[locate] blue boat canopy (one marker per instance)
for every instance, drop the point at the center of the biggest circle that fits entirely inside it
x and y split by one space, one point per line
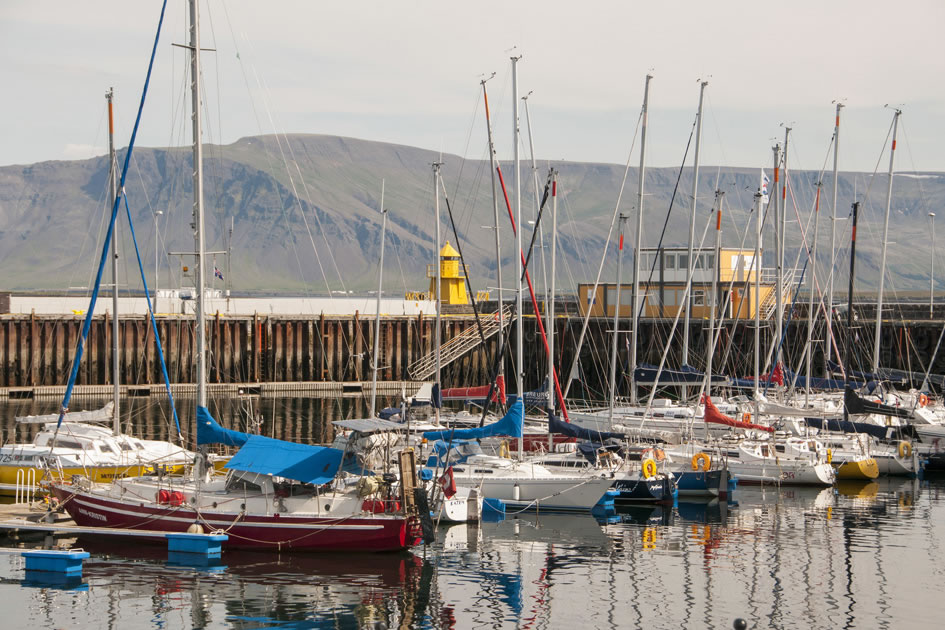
210 432
510 425
301 462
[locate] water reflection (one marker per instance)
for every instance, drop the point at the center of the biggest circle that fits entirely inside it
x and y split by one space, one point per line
856 555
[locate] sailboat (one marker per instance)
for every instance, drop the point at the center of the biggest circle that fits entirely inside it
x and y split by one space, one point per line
277 495
82 445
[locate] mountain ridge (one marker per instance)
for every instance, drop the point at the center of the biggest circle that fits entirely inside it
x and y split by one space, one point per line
305 219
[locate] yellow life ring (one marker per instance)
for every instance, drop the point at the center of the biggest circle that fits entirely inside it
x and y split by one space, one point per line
504 449
704 458
905 449
829 456
649 469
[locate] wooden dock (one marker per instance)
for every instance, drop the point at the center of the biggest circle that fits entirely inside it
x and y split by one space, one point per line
19 517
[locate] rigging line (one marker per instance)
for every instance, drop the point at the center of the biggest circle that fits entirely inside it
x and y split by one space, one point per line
600 270
462 261
669 211
101 267
157 337
679 310
295 192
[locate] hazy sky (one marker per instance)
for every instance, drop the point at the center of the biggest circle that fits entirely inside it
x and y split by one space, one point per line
408 73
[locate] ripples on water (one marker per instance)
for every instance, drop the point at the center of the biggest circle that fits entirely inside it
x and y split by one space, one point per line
856 556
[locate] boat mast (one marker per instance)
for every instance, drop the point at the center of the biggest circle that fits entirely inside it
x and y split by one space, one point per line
637 302
882 263
779 259
377 315
519 334
550 307
692 223
713 298
757 266
613 348
848 337
500 336
439 289
113 184
198 223
812 280
833 233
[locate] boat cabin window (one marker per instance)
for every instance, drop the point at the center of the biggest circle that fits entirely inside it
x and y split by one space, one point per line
61 443
126 447
483 470
105 448
733 454
779 448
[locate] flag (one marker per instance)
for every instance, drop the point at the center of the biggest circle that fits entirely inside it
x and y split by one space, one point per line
764 187
218 273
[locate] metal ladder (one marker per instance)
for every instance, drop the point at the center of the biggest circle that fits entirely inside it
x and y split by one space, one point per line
459 345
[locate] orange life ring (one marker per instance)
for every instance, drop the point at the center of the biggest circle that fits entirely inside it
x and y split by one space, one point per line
704 458
923 400
746 418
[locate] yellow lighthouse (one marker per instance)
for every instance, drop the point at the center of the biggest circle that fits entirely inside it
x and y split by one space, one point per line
452 278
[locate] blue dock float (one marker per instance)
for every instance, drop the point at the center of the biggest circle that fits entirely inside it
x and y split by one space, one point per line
203 544
66 563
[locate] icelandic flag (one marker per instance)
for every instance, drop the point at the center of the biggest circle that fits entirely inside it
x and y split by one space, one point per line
764 187
217 273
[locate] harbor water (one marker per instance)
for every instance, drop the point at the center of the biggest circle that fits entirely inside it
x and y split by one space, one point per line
863 555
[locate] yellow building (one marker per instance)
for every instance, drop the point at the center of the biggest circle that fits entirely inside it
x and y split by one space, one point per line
663 276
452 278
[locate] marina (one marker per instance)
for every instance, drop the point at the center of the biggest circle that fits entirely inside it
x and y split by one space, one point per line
599 397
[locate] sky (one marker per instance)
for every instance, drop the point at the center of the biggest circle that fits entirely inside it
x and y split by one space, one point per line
409 73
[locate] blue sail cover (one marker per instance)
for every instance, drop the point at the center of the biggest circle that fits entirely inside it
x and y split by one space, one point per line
645 374
510 425
556 425
301 462
210 432
817 383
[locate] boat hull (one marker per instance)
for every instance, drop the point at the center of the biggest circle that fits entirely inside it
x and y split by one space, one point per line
862 469
712 483
30 478
368 532
523 493
659 489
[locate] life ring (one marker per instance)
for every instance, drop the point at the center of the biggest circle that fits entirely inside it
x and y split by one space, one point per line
905 449
653 453
746 418
923 400
649 469
829 456
704 458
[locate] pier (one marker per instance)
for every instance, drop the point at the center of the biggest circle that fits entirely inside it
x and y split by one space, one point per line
331 355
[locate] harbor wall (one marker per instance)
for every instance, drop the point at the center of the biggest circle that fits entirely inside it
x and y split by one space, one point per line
37 350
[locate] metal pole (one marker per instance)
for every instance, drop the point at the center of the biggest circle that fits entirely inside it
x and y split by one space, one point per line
197 225
757 265
833 233
113 183
500 336
637 301
377 315
550 309
692 221
812 285
848 337
932 269
712 298
439 287
882 262
778 254
156 248
614 347
519 334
